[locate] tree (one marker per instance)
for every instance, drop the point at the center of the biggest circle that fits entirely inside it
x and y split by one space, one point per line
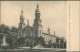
4 29
14 29
11 38
41 41
49 43
21 41
1 38
12 41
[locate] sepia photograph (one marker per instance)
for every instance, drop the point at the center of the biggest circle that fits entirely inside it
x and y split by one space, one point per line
33 26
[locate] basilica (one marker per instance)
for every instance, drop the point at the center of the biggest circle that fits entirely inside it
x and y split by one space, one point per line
36 30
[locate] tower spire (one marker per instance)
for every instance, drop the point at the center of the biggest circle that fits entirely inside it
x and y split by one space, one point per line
37 26
48 30
27 22
37 4
22 10
37 9
21 24
54 33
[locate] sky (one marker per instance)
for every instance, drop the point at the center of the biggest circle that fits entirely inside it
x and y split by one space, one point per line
53 14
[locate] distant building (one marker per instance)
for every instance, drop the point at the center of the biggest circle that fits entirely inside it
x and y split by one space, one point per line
37 26
36 30
48 37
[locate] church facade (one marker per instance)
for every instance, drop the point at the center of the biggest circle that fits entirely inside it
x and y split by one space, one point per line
36 30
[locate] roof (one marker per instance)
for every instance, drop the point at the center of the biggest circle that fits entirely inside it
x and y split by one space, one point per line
49 35
27 31
27 27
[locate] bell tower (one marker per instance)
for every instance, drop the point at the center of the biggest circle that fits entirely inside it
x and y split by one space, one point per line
48 31
37 26
21 25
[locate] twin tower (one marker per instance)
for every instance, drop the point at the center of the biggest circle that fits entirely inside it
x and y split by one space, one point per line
35 30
